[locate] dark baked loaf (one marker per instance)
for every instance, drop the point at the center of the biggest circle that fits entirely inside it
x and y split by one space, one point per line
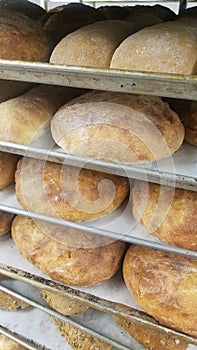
164 285
26 7
22 38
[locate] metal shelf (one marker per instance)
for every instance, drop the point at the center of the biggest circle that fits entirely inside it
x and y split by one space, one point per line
168 85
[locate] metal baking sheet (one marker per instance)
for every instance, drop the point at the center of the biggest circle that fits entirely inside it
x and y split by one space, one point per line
119 224
180 170
169 85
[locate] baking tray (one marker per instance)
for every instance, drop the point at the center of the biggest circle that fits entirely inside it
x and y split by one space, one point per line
180 170
159 84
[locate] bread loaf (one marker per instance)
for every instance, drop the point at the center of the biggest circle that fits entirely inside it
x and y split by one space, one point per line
9 344
26 7
167 213
114 12
163 12
69 18
92 45
63 304
8 163
78 339
5 222
68 192
22 38
10 89
151 339
164 285
74 258
25 118
169 47
118 127
8 302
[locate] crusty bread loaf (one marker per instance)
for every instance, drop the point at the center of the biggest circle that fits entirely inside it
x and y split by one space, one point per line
164 285
63 304
118 127
8 302
69 18
9 344
92 45
8 163
25 118
114 12
78 339
68 192
74 258
26 7
5 222
151 339
10 89
167 213
187 111
169 47
163 12
22 38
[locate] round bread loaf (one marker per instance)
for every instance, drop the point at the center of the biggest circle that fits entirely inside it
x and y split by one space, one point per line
92 45
151 339
167 213
114 12
70 17
78 339
164 285
75 258
26 7
10 89
118 127
169 47
8 302
9 344
163 12
25 118
8 164
5 222
63 304
68 192
22 38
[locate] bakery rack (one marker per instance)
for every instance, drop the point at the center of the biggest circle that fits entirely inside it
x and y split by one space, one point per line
179 171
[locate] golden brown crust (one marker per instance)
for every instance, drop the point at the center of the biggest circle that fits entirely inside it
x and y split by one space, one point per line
22 38
8 163
25 118
118 127
168 47
63 262
92 45
164 285
167 213
9 344
151 339
63 304
8 302
78 339
5 222
67 192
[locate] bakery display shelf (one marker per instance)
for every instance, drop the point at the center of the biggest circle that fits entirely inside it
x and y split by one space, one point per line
119 225
179 170
159 84
97 304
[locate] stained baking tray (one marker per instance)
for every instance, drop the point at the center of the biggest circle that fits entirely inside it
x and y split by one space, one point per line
159 84
180 170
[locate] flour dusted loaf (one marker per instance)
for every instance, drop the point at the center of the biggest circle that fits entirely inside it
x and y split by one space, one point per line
8 302
9 344
5 222
92 45
10 89
167 213
164 285
169 47
63 304
118 127
22 38
8 163
67 255
78 339
68 192
151 339
69 18
26 117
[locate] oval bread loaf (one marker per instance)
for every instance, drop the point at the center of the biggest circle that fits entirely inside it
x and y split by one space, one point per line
5 222
8 163
75 258
164 285
118 127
